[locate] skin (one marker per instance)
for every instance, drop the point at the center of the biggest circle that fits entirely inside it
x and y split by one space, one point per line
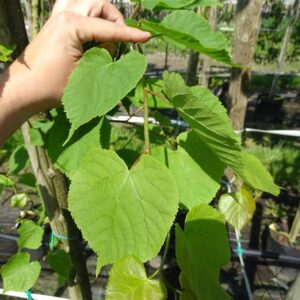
35 81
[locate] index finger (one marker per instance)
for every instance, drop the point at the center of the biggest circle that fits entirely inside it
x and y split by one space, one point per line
96 29
111 13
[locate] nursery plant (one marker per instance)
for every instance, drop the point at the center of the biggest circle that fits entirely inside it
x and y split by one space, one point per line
127 182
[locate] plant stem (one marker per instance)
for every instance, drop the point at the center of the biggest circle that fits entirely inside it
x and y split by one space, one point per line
157 95
146 123
161 266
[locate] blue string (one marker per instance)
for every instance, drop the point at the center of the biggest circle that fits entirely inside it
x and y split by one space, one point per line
61 237
239 250
29 295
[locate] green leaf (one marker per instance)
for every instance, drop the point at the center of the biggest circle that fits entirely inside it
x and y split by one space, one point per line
97 84
128 280
18 200
154 85
205 3
5 181
238 208
60 262
208 119
186 291
196 169
30 235
27 179
38 132
67 157
6 52
201 250
122 212
166 4
195 34
18 274
18 160
257 176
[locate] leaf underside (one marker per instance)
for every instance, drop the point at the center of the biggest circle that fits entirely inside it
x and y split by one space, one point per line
201 250
128 281
97 85
122 212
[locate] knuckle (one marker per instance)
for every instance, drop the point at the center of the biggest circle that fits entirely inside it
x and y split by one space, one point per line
66 18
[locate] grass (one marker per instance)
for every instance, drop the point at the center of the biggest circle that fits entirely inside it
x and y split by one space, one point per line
282 161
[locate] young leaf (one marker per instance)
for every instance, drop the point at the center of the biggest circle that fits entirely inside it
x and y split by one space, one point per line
208 119
30 235
256 175
5 181
238 208
38 132
97 84
128 280
196 169
19 274
122 212
67 157
18 200
6 52
201 250
60 262
166 4
18 160
195 34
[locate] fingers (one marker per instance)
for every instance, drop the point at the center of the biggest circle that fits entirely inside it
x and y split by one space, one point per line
95 29
92 8
111 13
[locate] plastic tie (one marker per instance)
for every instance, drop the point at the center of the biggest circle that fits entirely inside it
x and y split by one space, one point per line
239 249
60 237
29 295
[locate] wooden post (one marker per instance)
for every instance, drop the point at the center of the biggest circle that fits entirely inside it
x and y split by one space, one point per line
203 79
293 14
51 183
247 24
192 69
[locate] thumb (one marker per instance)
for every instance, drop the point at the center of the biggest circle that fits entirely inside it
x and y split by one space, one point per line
95 29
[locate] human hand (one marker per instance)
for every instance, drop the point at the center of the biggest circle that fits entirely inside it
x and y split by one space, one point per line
56 50
36 80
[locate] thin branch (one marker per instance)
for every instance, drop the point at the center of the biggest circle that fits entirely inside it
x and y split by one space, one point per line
146 123
157 95
163 260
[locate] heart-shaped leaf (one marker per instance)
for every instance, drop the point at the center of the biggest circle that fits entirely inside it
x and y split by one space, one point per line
201 250
97 84
19 274
30 235
128 280
238 208
122 212
60 262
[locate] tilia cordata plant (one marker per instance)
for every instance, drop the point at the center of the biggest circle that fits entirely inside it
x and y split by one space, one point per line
127 183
